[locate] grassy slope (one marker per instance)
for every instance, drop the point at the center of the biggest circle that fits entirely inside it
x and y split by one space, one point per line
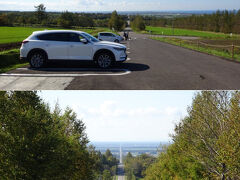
194 47
9 60
18 34
186 32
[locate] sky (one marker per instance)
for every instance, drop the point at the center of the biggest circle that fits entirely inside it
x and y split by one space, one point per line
120 5
125 116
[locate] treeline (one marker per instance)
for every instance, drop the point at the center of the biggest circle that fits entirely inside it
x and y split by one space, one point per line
221 21
37 143
135 167
206 142
65 19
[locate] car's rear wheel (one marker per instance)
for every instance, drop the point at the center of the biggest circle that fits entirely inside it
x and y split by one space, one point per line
37 59
104 60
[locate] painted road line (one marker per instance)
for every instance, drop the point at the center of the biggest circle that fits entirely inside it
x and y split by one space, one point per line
71 69
34 83
128 59
126 71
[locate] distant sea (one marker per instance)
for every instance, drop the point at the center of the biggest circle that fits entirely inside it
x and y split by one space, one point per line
142 12
135 148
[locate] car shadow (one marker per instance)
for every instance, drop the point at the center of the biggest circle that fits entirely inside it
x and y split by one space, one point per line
66 66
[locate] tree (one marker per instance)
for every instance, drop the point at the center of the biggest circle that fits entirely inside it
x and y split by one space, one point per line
40 13
211 133
138 24
3 20
66 19
107 175
206 141
36 143
116 22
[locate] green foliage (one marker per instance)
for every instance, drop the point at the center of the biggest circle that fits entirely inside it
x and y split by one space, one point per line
206 141
116 22
18 34
186 32
135 167
220 21
138 24
107 175
36 143
40 13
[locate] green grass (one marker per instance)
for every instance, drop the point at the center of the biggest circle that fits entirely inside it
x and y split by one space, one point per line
18 34
182 43
9 60
186 32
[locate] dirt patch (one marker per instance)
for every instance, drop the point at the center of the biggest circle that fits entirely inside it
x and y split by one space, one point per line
8 46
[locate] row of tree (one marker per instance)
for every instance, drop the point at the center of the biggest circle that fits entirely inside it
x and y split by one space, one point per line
65 19
220 21
206 142
37 143
135 167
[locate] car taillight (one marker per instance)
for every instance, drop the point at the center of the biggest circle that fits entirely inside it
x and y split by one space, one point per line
25 42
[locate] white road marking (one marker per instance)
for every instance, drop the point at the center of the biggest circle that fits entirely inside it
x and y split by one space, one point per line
124 72
34 83
128 59
128 52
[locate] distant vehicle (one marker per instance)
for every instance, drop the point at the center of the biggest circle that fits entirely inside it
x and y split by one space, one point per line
44 46
108 36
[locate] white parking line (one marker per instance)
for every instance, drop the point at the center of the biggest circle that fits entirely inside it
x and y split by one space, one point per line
128 59
125 72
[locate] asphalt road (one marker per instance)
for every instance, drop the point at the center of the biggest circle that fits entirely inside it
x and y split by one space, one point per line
120 172
153 65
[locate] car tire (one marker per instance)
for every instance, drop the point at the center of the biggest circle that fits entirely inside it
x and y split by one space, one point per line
104 60
117 41
37 59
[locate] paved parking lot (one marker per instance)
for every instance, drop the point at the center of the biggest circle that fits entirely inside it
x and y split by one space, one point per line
152 65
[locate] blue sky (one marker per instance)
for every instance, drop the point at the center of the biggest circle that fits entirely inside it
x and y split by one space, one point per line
120 116
120 5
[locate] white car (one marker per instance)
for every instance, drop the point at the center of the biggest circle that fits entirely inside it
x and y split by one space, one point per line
108 36
44 46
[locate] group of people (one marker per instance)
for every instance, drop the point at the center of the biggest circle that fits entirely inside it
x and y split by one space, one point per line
126 35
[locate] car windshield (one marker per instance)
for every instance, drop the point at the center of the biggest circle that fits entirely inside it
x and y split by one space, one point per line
90 37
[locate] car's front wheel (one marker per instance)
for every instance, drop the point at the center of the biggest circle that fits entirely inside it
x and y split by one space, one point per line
37 59
117 41
104 60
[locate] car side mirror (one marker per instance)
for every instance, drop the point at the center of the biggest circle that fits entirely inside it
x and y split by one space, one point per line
84 41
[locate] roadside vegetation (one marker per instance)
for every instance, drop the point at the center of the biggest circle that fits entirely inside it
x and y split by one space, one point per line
169 31
217 33
221 48
39 143
9 60
135 167
206 141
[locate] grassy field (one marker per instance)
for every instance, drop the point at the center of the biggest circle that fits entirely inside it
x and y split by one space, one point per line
9 60
214 51
185 32
18 34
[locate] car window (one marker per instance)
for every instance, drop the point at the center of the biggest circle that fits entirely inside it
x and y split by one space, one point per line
73 37
89 37
54 37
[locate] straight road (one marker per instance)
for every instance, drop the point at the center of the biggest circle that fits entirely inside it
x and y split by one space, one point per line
153 65
120 172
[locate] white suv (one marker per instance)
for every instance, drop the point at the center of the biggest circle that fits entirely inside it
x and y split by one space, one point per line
108 36
44 46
